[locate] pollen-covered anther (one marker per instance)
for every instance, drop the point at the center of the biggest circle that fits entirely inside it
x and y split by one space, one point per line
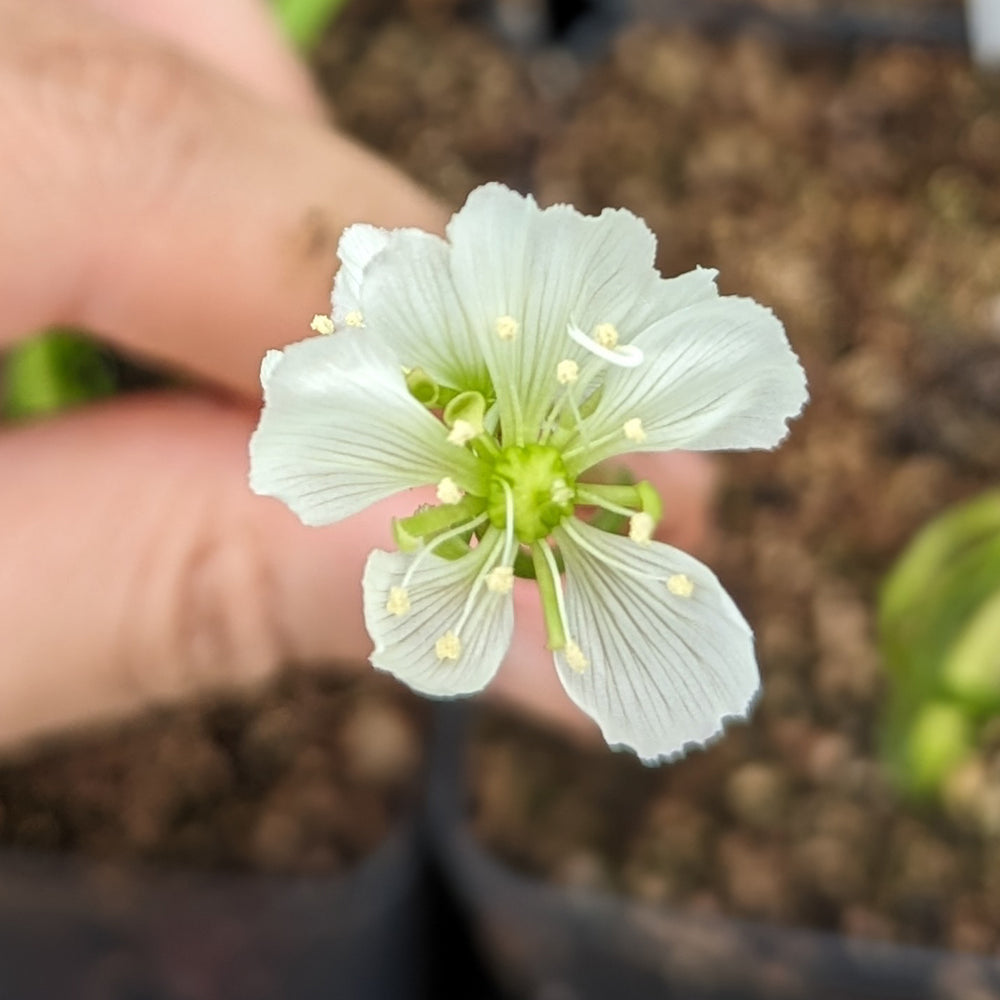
500 580
606 335
354 318
680 585
567 371
448 491
448 647
321 324
640 528
399 601
561 492
506 327
574 657
634 431
462 432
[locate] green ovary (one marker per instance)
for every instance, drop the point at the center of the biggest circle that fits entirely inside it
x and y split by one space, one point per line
540 487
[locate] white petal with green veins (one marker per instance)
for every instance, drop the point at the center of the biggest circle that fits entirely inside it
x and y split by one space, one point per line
718 374
668 655
456 629
340 431
408 298
545 270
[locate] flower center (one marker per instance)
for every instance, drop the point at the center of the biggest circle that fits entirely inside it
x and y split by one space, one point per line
542 492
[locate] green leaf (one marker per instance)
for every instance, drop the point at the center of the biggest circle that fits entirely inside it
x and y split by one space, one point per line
52 371
304 21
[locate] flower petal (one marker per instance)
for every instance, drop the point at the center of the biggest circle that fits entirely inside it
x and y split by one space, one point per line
545 270
408 299
440 593
339 430
718 374
358 245
670 657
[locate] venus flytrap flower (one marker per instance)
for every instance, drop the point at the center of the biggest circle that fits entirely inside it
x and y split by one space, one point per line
500 365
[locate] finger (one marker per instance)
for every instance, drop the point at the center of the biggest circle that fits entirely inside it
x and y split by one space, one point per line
239 37
158 205
139 568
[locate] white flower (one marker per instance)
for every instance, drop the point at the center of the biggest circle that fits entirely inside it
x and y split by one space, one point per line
500 365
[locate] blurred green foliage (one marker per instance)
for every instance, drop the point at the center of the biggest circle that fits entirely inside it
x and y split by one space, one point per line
939 633
304 21
52 371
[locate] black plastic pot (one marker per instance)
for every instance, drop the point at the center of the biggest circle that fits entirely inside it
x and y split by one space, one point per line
548 943
81 931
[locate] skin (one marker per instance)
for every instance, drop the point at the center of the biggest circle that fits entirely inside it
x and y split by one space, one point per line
168 181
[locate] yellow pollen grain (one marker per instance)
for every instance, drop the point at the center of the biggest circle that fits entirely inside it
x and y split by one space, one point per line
354 318
321 324
506 327
634 431
606 335
500 580
462 432
448 647
574 657
399 601
567 371
680 585
448 491
640 528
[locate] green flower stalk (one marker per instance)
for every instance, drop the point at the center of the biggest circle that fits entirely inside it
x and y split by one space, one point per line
500 366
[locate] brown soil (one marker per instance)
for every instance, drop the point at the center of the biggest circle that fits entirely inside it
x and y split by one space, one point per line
305 776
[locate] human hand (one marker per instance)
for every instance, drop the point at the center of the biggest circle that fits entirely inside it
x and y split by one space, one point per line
166 181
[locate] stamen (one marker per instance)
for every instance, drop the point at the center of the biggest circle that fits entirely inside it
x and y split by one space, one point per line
500 579
574 657
462 432
436 543
640 528
507 327
680 585
561 493
399 601
606 335
354 318
448 491
321 324
567 372
634 431
625 356
448 647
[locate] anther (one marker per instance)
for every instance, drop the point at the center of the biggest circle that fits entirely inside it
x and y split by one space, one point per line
640 529
462 432
634 431
448 491
399 601
506 327
448 647
321 324
606 335
560 492
680 585
567 371
500 579
574 657
354 318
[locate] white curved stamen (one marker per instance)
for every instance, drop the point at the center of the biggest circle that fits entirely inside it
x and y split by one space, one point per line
625 356
399 601
634 431
354 319
506 327
574 657
567 371
640 528
680 585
